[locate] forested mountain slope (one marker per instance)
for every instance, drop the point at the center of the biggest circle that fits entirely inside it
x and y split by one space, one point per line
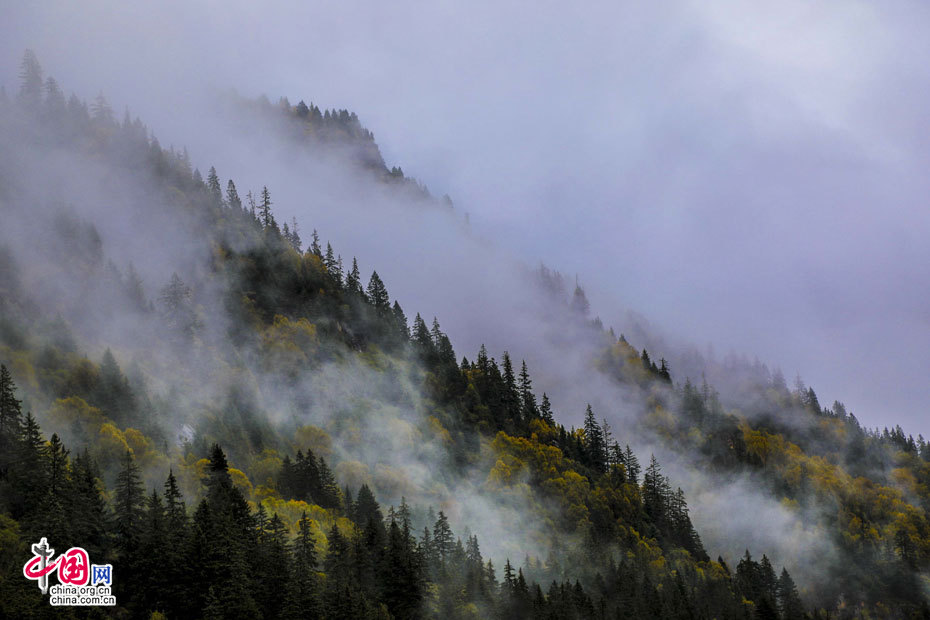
256 429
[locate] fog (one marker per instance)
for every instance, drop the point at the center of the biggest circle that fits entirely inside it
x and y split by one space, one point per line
750 181
747 179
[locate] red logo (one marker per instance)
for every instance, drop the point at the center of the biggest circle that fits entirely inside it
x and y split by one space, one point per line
73 566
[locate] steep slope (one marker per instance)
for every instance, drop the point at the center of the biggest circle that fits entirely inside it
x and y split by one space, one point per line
265 384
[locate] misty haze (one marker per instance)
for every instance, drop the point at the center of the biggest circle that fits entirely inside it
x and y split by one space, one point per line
478 311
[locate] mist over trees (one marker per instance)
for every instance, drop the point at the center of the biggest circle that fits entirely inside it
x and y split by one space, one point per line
271 436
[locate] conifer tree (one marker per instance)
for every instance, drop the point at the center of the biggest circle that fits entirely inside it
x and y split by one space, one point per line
511 397
656 493
10 419
378 295
443 538
264 208
213 186
632 465
295 235
102 113
527 398
153 543
594 442
30 75
580 304
302 590
353 282
545 410
789 602
329 260
400 322
422 337
232 197
128 504
88 510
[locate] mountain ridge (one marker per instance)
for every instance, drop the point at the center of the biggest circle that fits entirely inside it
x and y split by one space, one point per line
286 360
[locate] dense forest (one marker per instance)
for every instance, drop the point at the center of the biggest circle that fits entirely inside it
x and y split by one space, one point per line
267 434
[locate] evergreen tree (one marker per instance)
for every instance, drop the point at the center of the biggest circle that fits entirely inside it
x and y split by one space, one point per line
422 339
128 506
232 197
101 112
527 398
10 420
400 322
580 305
789 602
213 186
30 75
302 593
353 282
511 397
595 446
378 295
152 545
545 410
443 538
88 510
329 261
264 209
656 493
632 465
295 236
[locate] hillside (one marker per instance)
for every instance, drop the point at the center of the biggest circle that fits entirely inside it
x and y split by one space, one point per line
243 423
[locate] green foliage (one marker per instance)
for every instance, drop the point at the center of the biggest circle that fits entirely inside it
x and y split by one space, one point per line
621 539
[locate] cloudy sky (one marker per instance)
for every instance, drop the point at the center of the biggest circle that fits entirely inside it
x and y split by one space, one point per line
744 175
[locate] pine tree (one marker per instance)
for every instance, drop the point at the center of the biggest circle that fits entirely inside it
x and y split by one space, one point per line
273 567
656 493
511 397
400 322
176 571
295 235
378 295
330 496
232 197
353 282
594 442
101 112
264 208
88 510
527 398
128 504
545 410
443 538
177 303
57 490
664 371
11 420
213 186
30 75
422 339
55 105
153 543
329 261
632 465
580 305
302 591
789 602
29 474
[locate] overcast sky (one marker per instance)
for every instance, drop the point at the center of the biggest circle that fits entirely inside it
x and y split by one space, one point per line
753 177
